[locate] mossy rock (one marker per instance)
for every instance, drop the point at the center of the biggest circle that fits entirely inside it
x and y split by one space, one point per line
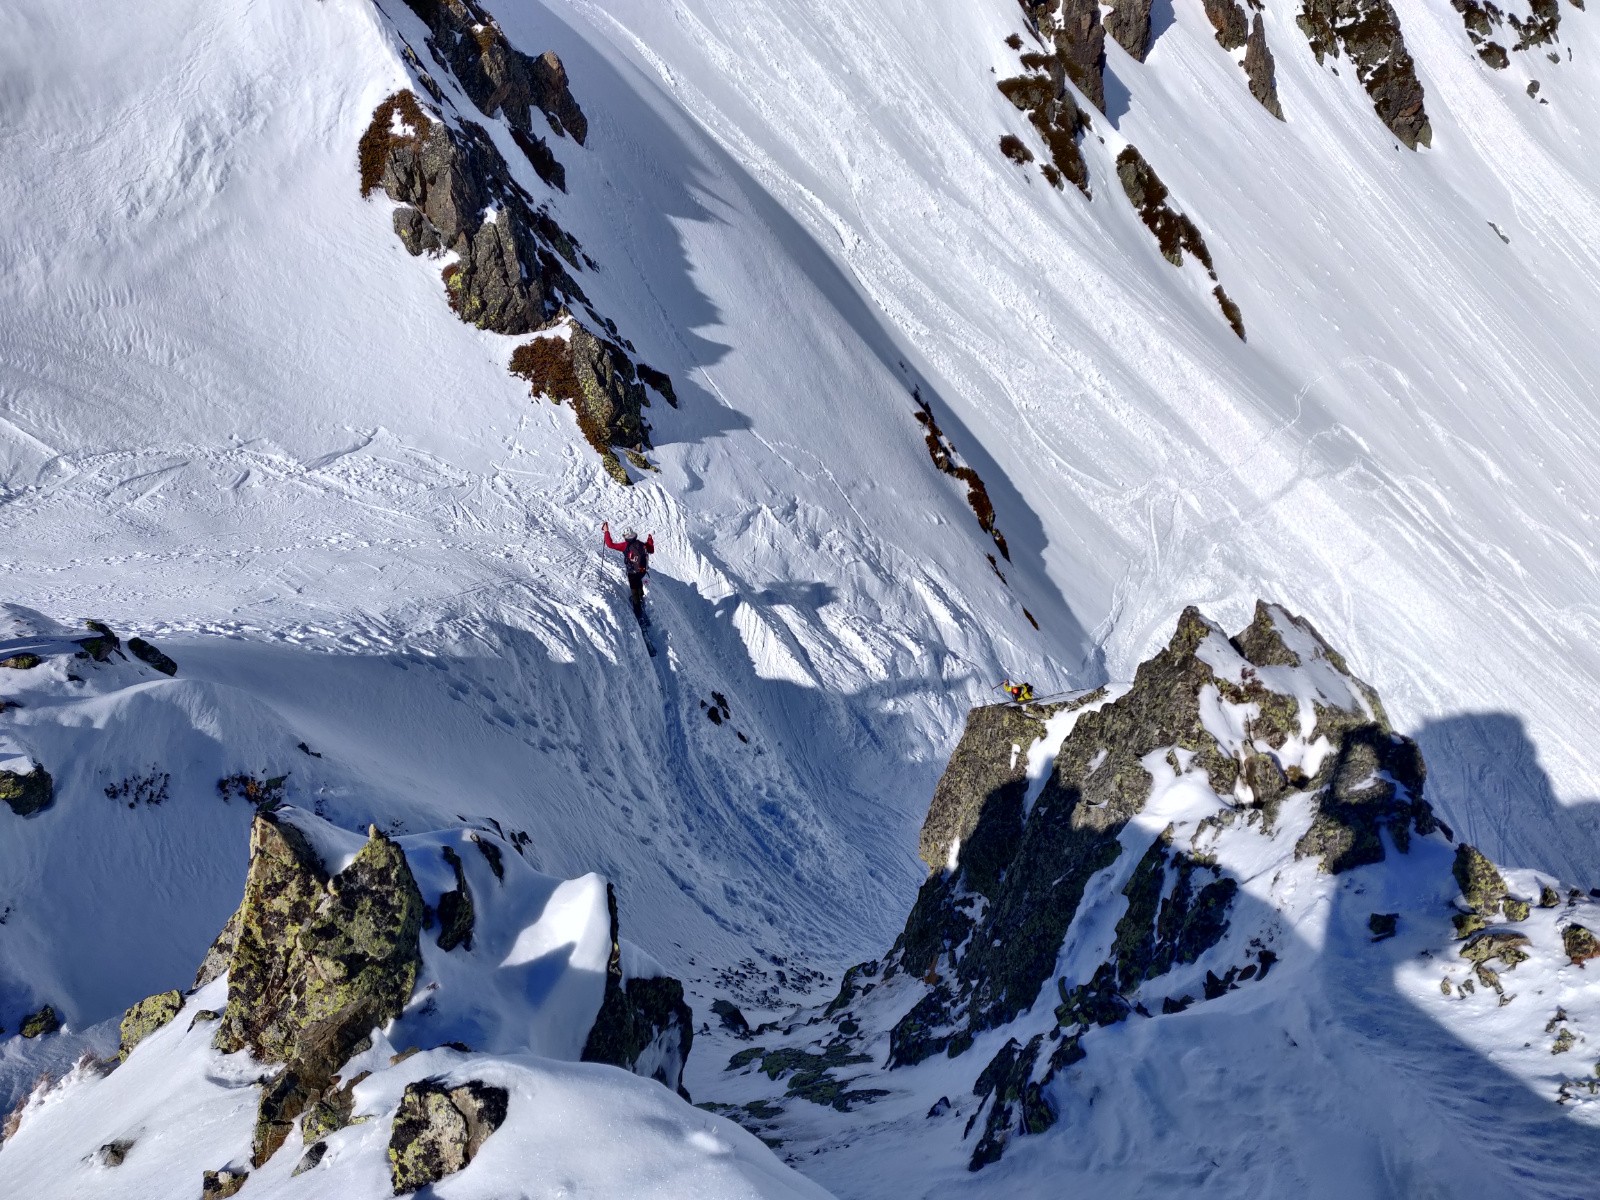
1516 910
1468 923
1549 897
145 1017
439 1129
1580 943
1478 880
27 793
21 662
38 1024
1490 944
218 1185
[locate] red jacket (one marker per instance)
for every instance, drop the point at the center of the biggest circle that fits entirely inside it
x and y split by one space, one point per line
636 552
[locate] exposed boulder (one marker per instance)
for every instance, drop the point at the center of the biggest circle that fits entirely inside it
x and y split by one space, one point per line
27 792
1043 96
151 657
1481 885
40 1023
509 275
1228 19
316 964
103 644
1129 22
1580 943
439 1129
145 1017
114 1154
218 1185
644 1025
21 662
1368 32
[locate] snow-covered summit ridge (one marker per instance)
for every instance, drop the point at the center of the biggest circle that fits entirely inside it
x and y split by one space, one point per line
1230 898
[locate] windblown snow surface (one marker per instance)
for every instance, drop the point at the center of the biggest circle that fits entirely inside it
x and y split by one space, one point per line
237 418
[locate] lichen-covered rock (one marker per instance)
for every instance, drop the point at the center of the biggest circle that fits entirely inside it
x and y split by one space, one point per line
597 378
439 1129
40 1023
1490 944
151 657
1168 921
1374 784
1006 1082
219 954
455 908
1368 32
1481 885
27 792
988 770
145 1017
21 662
316 964
103 644
1549 897
218 1185
1515 909
1261 70
509 275
644 1025
1580 943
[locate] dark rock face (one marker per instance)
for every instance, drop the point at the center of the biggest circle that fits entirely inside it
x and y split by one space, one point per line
151 657
316 963
982 774
1169 920
502 81
439 1129
1074 29
1007 1085
145 1017
509 275
1376 783
103 644
642 1022
1129 22
1228 19
942 452
1368 31
1260 69
455 909
27 792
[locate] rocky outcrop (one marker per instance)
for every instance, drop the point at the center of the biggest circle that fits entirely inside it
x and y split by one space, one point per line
151 657
1368 33
218 1185
595 376
439 1129
457 195
1260 69
1129 22
1078 38
316 963
1174 232
985 933
20 662
985 778
644 1025
502 81
38 1024
145 1017
943 453
27 792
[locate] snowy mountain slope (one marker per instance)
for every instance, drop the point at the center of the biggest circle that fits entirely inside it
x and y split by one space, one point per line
1411 410
236 416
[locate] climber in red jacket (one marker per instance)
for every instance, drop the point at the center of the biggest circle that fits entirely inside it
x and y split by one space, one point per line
636 555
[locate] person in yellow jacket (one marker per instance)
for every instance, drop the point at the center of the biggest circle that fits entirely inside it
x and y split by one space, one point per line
1020 693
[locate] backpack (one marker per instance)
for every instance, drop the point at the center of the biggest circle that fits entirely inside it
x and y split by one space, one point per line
638 558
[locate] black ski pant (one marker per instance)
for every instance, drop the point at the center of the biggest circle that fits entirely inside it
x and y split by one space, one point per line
636 592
